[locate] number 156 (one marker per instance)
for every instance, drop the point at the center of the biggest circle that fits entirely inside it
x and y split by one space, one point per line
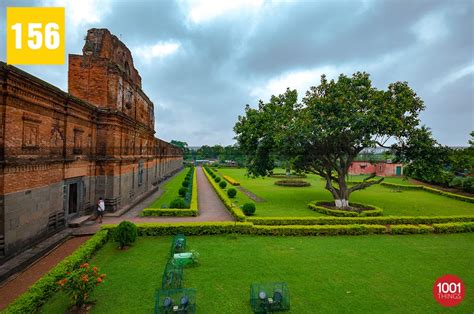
35 35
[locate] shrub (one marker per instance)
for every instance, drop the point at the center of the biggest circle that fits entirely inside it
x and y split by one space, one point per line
248 209
185 184
178 203
456 182
223 184
80 283
468 184
231 180
217 179
182 191
125 234
231 192
295 183
44 288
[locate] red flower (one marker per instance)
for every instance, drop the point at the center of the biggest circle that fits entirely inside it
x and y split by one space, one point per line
85 278
94 269
99 279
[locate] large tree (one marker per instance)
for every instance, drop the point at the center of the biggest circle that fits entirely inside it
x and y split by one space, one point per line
335 121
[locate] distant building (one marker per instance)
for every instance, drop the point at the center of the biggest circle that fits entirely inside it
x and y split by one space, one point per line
380 168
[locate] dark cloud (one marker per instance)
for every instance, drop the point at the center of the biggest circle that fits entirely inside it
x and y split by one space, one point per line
201 89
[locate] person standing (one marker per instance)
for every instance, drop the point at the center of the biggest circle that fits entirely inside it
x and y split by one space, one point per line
100 209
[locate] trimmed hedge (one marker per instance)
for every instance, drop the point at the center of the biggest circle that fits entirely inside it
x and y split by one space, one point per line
177 212
292 183
46 286
375 211
190 228
233 209
231 180
381 220
319 230
427 189
454 227
410 229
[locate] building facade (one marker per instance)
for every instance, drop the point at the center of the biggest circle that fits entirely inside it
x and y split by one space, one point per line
60 152
380 168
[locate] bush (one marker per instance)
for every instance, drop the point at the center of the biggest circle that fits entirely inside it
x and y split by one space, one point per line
231 180
44 288
468 184
178 203
185 184
231 192
173 212
223 184
217 179
295 183
456 182
373 211
125 234
248 209
80 283
182 191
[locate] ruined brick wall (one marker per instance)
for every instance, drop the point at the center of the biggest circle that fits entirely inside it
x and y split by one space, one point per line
61 151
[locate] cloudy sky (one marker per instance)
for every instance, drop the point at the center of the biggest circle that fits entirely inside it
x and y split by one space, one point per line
202 61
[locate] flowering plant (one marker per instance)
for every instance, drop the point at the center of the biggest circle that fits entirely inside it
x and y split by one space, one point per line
80 283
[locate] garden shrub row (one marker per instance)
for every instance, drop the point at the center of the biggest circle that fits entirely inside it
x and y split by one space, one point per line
382 220
46 286
374 211
430 190
178 212
231 180
233 209
210 228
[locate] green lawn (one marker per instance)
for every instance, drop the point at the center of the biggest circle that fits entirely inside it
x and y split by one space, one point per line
358 274
170 190
291 201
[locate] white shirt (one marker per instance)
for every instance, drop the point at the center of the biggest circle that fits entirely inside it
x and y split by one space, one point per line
101 206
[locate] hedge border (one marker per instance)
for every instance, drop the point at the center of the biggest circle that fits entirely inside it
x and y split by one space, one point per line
374 211
231 180
177 212
233 209
46 286
296 183
425 188
213 228
382 220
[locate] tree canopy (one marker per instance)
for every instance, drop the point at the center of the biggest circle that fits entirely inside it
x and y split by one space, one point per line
324 133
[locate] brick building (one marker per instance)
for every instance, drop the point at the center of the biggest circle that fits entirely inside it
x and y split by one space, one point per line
380 168
60 152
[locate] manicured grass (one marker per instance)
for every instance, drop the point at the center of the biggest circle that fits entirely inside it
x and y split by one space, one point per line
292 201
358 274
170 190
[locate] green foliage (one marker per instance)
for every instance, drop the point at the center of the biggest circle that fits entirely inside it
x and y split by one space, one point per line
454 227
231 192
233 209
80 283
217 179
182 191
410 229
46 286
380 220
335 121
178 203
185 184
249 209
223 184
468 184
174 212
373 211
125 234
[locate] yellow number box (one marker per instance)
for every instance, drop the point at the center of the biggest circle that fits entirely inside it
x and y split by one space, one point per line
35 35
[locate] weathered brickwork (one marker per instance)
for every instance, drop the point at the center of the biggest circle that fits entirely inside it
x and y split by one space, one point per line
60 152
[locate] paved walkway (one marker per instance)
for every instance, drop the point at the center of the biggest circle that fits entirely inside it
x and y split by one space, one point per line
210 207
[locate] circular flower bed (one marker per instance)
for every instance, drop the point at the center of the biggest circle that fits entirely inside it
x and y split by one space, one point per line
295 183
284 176
355 210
